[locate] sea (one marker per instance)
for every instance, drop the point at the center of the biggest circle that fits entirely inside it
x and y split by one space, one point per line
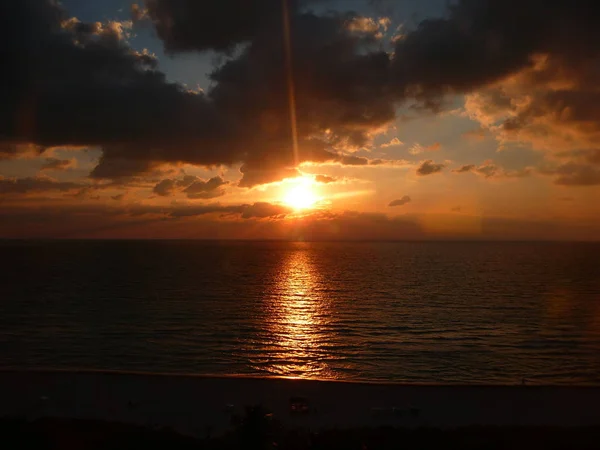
402 312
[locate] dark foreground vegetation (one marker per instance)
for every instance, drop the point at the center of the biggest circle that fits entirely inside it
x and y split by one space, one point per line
256 431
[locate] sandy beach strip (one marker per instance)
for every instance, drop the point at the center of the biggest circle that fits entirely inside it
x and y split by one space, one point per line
194 404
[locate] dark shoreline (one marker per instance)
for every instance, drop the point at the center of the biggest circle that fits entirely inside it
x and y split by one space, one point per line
261 432
186 403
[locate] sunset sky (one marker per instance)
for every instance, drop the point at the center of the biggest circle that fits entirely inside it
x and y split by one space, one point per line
413 120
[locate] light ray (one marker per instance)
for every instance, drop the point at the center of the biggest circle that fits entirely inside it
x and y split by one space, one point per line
290 79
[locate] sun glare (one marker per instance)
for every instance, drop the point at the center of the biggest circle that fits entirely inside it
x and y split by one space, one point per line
301 196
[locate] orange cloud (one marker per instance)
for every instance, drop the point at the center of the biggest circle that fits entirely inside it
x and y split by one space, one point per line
417 149
395 142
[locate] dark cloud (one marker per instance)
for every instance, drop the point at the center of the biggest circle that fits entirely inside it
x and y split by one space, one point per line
37 184
491 170
352 160
88 192
194 211
574 174
170 186
165 188
487 169
58 164
190 25
71 83
123 169
192 186
13 151
201 189
253 175
401 201
325 179
550 99
429 167
119 197
81 84
590 156
466 168
262 210
481 41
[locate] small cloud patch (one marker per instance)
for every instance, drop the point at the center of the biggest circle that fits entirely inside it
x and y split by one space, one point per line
393 143
429 167
400 201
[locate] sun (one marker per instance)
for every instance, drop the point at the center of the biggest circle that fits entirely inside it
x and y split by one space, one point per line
301 196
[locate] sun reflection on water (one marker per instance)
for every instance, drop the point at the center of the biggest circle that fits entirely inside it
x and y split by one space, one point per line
298 319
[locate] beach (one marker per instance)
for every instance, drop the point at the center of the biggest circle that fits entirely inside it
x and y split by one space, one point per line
197 405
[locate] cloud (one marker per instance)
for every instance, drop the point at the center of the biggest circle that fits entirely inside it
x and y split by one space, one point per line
189 25
86 86
574 174
325 179
138 13
59 164
254 176
466 168
395 142
401 201
169 186
35 184
259 210
417 149
262 210
491 170
14 151
192 186
97 91
88 192
588 156
206 189
429 167
119 197
478 43
549 101
353 161
487 169
369 26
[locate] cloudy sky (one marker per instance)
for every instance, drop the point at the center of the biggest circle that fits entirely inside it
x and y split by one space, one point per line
305 119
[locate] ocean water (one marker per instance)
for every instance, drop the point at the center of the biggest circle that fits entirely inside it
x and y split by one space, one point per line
401 312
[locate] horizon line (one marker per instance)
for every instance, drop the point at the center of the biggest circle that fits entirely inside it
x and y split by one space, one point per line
347 240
